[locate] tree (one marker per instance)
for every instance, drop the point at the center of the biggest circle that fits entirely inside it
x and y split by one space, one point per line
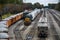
37 5
27 5
52 6
58 6
3 1
10 1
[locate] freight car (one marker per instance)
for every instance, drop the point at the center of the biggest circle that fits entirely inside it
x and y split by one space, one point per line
30 17
42 28
3 30
3 25
12 19
4 36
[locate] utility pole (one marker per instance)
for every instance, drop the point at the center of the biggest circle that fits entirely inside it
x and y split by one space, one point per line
0 15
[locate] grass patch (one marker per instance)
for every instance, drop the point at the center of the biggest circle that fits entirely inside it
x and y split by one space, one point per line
6 15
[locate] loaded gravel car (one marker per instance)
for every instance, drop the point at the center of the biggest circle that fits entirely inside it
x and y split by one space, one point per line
4 36
3 30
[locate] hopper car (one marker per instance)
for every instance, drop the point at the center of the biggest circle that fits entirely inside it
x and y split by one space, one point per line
3 30
42 28
12 19
31 17
3 26
4 36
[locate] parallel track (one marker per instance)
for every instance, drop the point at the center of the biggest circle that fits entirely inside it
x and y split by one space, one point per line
53 28
56 17
44 15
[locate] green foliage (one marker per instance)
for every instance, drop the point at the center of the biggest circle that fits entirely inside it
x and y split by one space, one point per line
10 1
3 1
52 6
57 7
29 5
6 15
37 5
32 6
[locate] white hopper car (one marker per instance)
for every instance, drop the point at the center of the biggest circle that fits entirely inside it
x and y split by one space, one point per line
4 36
43 27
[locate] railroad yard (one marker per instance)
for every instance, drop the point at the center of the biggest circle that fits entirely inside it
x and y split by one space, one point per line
19 31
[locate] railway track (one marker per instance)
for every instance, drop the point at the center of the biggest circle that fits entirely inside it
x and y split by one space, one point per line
36 30
16 31
20 28
11 30
45 15
33 30
57 13
19 31
54 27
56 17
50 37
